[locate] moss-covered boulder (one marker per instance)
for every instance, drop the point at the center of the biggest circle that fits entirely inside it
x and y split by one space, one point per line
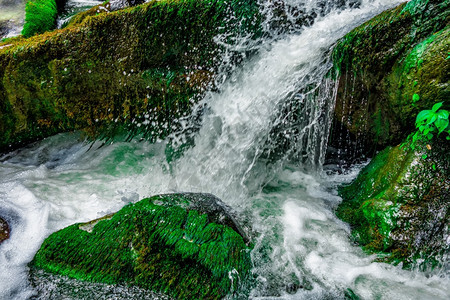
139 68
4 230
41 15
382 64
400 202
187 246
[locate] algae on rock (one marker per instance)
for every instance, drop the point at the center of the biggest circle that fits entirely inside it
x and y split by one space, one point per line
163 243
382 64
399 204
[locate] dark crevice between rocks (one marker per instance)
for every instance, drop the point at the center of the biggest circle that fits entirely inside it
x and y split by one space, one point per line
4 230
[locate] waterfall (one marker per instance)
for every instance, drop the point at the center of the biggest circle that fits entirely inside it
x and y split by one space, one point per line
276 108
259 146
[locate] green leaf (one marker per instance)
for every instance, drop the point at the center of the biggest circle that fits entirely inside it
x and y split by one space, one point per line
441 124
443 114
432 119
424 156
434 167
437 106
415 98
423 115
429 136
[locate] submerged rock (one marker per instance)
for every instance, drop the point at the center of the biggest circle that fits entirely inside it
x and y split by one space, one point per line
51 286
382 64
187 246
4 230
399 204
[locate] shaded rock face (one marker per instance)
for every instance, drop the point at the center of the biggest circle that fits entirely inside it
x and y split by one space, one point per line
125 72
286 16
381 65
4 230
399 204
119 4
187 246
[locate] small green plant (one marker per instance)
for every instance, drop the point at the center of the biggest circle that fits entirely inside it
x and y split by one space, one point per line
428 122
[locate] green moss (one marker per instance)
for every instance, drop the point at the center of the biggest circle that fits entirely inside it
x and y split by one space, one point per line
158 244
415 6
135 70
414 58
40 16
93 11
399 201
423 72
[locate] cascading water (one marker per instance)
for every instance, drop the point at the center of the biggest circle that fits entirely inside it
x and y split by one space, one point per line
259 148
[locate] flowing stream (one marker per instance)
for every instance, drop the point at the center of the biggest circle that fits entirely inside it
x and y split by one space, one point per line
12 14
260 148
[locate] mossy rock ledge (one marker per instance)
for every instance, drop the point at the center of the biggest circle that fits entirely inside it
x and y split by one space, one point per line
399 205
187 246
134 71
381 65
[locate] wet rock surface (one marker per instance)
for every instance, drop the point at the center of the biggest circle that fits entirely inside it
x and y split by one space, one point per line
4 230
399 205
50 286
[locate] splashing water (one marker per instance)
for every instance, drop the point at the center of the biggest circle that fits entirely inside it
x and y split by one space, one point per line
259 148
12 14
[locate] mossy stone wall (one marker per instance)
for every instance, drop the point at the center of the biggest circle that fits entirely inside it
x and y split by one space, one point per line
382 64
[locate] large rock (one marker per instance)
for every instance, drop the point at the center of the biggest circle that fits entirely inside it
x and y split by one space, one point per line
40 16
185 245
399 204
381 65
136 69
